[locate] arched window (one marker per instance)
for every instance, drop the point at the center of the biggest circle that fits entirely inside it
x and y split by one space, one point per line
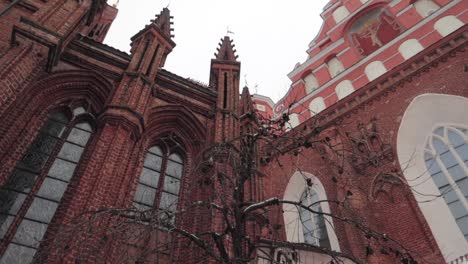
293 121
409 48
316 106
159 182
340 13
374 70
313 224
335 67
446 158
311 83
447 25
302 225
432 151
425 7
344 89
32 193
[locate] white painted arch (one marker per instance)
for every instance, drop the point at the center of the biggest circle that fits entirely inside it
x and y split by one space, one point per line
447 25
340 13
293 121
426 112
409 48
317 105
374 70
335 67
296 186
344 89
425 7
311 83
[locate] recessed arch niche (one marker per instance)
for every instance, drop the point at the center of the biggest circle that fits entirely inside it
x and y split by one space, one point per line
425 114
372 30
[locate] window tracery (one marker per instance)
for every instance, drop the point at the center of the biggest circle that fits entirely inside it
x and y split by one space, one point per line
415 146
33 191
160 182
446 158
298 189
313 224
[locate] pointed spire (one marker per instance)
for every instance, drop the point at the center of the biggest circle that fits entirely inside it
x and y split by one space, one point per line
113 3
246 101
226 51
164 23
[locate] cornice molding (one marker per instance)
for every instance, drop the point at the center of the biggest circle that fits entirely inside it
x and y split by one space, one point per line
394 79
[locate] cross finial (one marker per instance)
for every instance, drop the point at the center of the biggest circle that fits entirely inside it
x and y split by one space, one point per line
228 31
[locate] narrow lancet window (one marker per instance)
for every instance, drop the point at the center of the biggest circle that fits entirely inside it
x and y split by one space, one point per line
159 184
32 193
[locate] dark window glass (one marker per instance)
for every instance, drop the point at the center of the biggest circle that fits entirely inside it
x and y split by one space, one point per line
79 137
153 162
6 224
17 254
42 210
33 161
20 180
153 189
62 169
149 177
43 144
449 170
30 233
40 165
56 127
145 195
171 185
313 224
70 152
52 189
11 202
174 169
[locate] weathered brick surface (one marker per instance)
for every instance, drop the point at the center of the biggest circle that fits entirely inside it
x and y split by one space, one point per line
134 103
396 212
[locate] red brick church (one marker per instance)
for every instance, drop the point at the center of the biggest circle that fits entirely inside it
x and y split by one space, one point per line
107 157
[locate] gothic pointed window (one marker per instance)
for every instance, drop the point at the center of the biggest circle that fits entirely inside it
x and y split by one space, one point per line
432 151
314 226
313 223
446 159
159 184
32 193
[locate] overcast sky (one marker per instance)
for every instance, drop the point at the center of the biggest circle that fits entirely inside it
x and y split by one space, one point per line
271 36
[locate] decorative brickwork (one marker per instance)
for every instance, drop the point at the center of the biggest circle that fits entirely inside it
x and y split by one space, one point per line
52 60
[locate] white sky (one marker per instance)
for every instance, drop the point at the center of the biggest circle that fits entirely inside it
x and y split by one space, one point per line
271 36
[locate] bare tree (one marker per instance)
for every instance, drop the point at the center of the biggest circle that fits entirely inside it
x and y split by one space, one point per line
225 176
